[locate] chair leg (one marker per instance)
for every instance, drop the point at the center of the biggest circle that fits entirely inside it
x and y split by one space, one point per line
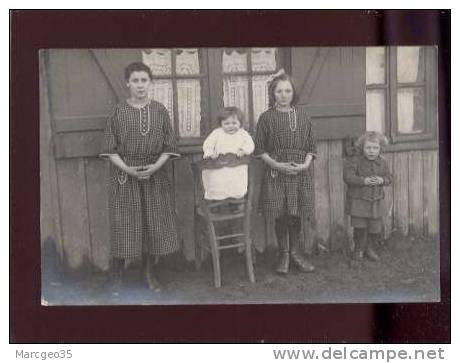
215 254
249 260
198 248
198 257
249 253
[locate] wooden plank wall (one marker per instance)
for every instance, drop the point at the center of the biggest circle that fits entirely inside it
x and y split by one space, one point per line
430 193
74 211
388 219
322 202
415 172
412 201
401 192
413 198
50 226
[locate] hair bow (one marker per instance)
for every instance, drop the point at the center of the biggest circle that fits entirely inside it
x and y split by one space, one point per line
277 74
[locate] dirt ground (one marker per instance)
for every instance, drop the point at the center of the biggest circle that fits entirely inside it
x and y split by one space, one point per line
407 272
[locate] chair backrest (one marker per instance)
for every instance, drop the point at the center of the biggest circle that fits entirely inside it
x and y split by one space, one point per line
227 160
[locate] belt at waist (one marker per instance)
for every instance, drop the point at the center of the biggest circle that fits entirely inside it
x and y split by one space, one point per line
286 155
134 160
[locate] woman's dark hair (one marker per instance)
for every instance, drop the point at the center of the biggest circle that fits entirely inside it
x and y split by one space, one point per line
226 112
137 67
272 87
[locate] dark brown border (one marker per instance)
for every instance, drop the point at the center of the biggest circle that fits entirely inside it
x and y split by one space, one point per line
32 323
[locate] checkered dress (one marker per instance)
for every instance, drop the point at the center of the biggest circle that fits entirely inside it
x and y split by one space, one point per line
141 213
286 194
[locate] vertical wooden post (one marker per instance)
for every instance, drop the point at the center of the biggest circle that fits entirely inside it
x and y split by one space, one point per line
401 192
337 194
389 201
97 195
75 220
322 205
185 204
431 193
50 221
415 192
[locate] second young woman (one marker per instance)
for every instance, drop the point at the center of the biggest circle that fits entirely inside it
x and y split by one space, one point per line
284 140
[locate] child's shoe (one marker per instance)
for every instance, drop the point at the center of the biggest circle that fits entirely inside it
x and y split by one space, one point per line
359 237
371 254
358 254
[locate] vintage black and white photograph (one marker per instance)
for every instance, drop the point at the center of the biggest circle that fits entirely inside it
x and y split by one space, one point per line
256 175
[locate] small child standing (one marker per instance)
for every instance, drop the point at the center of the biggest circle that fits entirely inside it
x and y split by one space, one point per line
365 175
228 138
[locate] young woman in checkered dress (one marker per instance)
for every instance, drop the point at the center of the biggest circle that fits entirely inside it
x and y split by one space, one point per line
139 140
284 140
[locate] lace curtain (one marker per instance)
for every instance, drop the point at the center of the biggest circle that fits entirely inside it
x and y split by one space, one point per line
411 108
188 90
236 87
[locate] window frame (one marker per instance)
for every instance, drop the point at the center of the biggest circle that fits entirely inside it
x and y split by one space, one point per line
391 87
386 87
202 76
216 77
429 86
250 73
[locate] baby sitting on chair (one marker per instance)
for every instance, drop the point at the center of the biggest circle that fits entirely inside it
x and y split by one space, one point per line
228 138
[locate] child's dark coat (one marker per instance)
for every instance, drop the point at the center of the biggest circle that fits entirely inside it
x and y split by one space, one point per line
356 169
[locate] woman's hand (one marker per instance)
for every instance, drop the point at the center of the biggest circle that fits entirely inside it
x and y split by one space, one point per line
131 171
145 172
302 166
285 168
291 168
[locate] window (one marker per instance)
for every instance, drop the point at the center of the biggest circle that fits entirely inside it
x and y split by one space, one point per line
401 92
193 83
179 82
245 75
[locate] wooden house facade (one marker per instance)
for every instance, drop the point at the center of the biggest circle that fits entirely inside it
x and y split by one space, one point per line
345 89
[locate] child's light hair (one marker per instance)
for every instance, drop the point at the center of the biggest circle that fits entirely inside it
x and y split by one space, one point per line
372 136
230 111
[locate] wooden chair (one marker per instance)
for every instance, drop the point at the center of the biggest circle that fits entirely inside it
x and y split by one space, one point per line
210 213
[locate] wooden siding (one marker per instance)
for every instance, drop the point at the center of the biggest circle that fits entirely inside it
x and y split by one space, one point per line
412 202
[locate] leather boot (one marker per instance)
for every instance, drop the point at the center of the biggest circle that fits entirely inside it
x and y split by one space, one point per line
281 229
282 267
153 283
116 273
371 254
297 257
359 236
301 262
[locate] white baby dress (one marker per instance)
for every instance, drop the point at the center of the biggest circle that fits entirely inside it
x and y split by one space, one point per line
226 182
